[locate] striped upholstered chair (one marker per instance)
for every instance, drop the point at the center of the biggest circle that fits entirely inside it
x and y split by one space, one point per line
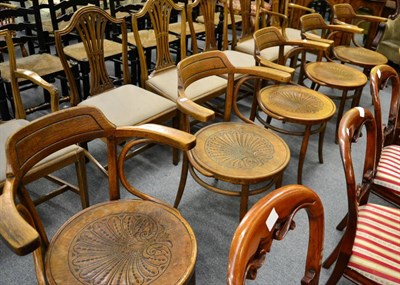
369 250
387 177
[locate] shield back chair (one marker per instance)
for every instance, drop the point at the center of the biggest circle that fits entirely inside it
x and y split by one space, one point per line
368 251
356 54
163 79
291 103
242 154
44 64
123 105
328 73
136 240
60 159
61 14
386 181
270 219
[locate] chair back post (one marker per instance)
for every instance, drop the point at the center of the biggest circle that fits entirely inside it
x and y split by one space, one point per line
271 218
159 12
388 134
350 130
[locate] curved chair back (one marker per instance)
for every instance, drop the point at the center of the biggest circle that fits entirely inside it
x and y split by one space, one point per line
271 218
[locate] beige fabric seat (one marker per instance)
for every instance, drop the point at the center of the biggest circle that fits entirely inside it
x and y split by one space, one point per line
390 44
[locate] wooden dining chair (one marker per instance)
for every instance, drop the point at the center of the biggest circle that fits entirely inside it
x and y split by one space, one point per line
123 105
387 178
271 218
328 73
239 153
43 169
368 251
291 103
119 241
356 54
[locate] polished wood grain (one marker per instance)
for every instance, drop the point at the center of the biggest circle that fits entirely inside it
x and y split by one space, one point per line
257 231
238 153
109 232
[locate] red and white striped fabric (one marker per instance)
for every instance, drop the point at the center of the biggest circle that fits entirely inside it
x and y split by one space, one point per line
388 170
376 249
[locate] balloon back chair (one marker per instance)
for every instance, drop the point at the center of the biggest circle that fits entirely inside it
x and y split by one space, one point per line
368 252
235 152
270 219
387 178
119 241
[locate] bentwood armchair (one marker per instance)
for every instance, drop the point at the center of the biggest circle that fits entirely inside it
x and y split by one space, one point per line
368 251
137 241
60 159
224 150
271 219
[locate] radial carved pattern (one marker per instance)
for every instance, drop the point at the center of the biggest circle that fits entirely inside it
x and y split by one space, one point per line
236 149
121 249
296 101
339 71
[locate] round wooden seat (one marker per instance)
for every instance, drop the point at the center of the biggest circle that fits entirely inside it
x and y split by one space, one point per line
339 76
299 105
123 242
242 154
360 56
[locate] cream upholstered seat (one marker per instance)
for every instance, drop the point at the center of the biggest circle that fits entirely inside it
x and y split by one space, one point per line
390 43
199 89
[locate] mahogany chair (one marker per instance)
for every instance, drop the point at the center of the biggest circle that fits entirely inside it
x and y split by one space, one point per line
368 251
239 153
356 54
140 240
291 103
270 219
328 73
43 169
386 181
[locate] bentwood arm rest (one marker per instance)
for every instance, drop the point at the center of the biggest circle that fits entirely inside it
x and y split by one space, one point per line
317 38
200 113
310 44
345 27
296 6
368 18
270 64
266 73
161 134
18 234
38 80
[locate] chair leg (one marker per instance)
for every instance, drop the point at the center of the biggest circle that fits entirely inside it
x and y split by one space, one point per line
303 152
343 223
340 113
321 143
5 114
333 256
182 182
244 199
80 166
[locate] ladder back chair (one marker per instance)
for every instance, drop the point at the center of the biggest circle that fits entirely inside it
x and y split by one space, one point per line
140 240
291 103
368 251
270 219
43 169
26 29
239 153
386 181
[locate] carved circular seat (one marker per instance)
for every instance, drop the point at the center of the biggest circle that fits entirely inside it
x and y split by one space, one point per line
123 242
299 105
360 56
241 154
338 76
